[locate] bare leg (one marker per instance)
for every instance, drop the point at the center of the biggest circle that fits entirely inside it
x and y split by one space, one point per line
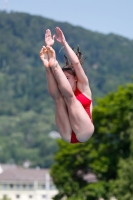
61 113
52 85
79 119
62 119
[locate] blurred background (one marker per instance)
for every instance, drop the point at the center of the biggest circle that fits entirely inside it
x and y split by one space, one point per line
35 162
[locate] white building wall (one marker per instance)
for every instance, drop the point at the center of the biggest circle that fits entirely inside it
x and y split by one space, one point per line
35 193
28 195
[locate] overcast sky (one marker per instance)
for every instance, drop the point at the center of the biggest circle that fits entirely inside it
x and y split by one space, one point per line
104 16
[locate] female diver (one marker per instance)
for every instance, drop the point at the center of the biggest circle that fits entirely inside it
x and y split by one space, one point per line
69 88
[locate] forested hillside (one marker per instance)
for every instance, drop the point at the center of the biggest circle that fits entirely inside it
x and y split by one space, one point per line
26 110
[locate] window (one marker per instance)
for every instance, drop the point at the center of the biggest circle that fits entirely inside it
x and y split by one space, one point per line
11 185
30 186
4 185
17 186
44 196
43 186
24 186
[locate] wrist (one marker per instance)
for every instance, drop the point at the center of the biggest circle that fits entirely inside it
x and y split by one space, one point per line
64 43
48 45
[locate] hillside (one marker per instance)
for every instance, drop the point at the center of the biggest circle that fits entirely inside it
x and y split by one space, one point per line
26 110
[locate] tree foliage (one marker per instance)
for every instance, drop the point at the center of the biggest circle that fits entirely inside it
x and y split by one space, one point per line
107 154
5 198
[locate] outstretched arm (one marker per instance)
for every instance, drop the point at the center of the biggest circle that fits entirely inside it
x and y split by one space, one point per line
49 40
72 56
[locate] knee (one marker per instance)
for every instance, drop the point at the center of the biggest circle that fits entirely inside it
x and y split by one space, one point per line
67 138
86 135
66 134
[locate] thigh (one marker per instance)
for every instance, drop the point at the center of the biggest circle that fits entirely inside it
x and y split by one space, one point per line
62 119
79 119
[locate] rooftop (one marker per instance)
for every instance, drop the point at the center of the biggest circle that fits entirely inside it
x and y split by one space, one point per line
15 173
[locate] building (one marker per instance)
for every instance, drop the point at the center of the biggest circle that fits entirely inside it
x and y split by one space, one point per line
19 183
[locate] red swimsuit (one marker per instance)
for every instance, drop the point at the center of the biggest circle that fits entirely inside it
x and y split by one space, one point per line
86 103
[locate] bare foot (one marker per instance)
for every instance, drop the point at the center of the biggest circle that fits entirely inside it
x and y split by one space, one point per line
52 57
44 56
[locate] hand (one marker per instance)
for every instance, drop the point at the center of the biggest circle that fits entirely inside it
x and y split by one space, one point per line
48 38
52 57
60 36
44 56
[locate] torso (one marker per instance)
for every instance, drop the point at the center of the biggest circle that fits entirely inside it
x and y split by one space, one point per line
85 101
85 89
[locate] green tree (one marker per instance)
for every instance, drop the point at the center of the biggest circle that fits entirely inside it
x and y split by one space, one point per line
122 187
110 143
5 198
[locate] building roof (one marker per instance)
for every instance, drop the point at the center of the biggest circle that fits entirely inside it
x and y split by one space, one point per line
22 174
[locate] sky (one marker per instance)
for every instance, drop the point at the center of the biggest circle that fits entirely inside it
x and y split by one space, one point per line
103 16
